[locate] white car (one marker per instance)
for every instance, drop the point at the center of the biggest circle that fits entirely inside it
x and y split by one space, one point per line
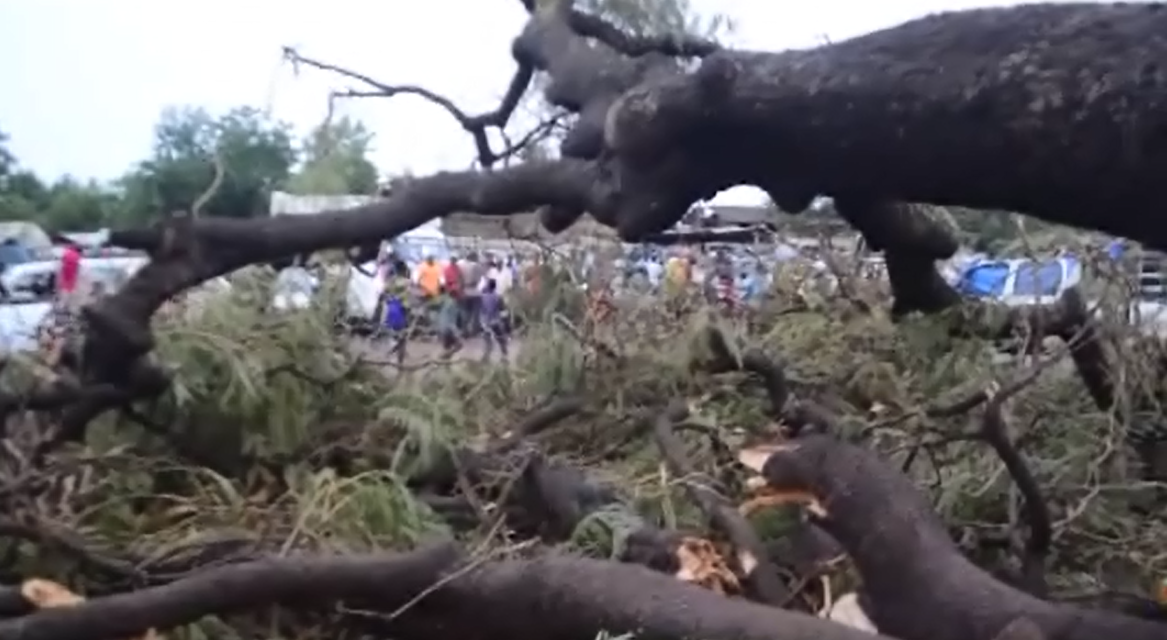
27 303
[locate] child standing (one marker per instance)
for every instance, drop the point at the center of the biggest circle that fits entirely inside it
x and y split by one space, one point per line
492 313
396 316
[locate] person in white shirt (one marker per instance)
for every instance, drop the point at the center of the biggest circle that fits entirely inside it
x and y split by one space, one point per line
502 276
654 270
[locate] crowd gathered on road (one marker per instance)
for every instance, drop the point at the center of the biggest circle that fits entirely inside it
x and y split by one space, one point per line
468 295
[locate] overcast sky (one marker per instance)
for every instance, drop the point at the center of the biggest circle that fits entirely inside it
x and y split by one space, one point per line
84 81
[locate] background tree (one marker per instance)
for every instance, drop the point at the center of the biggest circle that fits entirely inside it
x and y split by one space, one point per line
66 204
7 160
335 160
645 17
73 205
257 155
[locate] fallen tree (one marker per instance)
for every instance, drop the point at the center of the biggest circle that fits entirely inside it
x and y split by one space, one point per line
651 138
867 121
904 559
908 562
439 593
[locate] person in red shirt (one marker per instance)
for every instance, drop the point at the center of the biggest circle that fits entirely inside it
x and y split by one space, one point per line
69 273
452 277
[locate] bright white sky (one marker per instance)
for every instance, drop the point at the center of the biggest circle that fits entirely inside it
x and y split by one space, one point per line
84 81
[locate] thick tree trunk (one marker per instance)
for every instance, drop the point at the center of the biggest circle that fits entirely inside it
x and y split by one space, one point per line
1052 110
920 585
1056 111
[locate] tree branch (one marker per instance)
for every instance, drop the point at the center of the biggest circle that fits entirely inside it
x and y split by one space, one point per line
907 561
995 432
475 125
761 576
435 594
306 582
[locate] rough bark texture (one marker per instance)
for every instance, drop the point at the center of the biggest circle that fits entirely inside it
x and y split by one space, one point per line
1052 110
908 562
436 594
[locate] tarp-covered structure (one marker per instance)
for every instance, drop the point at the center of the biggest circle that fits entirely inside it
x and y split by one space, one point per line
999 279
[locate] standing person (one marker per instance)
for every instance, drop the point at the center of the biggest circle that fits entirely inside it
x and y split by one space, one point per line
448 323
654 270
452 277
471 273
512 265
502 273
532 274
429 281
452 281
68 275
492 314
429 278
396 314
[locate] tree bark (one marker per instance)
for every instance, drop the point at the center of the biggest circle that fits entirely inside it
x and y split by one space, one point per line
907 560
436 593
1032 108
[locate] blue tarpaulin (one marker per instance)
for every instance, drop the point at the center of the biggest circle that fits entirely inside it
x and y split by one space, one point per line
1002 278
984 280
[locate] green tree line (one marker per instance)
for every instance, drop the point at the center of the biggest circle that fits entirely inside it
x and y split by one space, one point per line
258 155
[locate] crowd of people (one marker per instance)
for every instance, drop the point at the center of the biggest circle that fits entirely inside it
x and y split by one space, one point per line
466 295
459 298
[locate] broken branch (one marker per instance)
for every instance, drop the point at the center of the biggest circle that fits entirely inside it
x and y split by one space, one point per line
908 562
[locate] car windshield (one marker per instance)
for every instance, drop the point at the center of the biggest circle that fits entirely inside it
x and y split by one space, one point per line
14 253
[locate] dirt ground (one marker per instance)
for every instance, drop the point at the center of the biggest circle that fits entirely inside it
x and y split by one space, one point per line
426 350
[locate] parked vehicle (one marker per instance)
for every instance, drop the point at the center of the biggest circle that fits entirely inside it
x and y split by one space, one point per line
13 252
29 289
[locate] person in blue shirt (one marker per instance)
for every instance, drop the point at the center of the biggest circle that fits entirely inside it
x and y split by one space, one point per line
395 319
747 283
493 315
753 282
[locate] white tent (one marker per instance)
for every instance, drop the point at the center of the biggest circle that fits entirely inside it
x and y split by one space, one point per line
291 204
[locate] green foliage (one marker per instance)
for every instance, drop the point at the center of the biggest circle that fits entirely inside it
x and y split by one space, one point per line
7 160
65 204
257 156
986 231
642 17
335 160
242 365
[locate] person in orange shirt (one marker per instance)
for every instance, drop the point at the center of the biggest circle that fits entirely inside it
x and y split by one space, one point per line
429 277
